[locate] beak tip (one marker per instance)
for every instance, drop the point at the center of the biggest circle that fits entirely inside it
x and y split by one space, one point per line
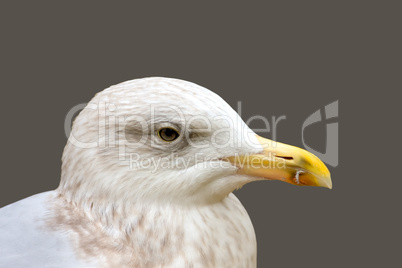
325 182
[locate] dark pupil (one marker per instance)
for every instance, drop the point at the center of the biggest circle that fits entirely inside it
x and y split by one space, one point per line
168 134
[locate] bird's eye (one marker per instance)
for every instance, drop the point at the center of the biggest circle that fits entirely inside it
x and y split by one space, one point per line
168 134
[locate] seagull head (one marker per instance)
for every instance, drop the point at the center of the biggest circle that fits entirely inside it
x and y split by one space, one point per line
171 141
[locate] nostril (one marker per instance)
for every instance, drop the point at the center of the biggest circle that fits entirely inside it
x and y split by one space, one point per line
284 157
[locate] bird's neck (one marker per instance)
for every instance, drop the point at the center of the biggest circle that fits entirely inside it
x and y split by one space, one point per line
158 234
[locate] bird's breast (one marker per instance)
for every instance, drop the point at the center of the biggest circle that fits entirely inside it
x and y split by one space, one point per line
218 235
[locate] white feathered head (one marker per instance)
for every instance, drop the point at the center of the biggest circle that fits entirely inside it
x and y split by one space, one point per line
168 140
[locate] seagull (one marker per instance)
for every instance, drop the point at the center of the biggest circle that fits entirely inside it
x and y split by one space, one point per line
147 179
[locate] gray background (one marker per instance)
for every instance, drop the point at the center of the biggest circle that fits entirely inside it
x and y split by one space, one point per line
289 59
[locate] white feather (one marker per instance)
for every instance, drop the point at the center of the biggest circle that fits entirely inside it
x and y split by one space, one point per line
108 212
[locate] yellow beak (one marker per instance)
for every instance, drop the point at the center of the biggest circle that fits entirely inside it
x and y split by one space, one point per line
286 163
